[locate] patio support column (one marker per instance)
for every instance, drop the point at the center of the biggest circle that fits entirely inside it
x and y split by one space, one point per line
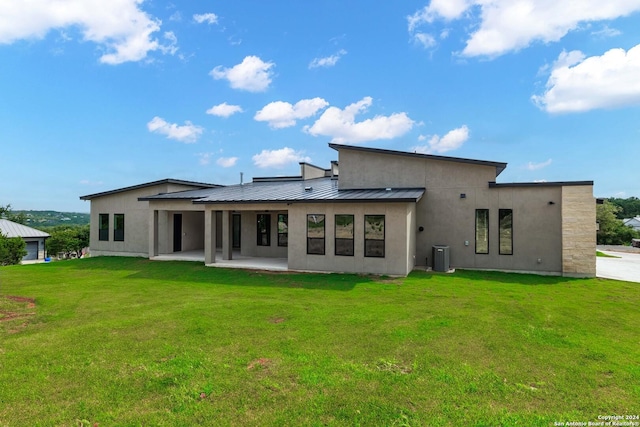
209 236
226 235
153 233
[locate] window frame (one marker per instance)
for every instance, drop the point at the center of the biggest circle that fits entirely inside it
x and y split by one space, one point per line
260 235
103 227
315 238
486 239
367 249
283 218
501 240
118 233
351 251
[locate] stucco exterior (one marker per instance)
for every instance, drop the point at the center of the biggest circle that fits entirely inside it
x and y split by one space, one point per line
425 200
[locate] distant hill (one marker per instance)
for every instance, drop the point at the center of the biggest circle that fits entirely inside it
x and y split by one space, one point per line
37 219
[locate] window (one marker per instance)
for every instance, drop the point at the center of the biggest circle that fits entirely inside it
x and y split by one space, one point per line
315 234
344 235
118 227
264 229
374 236
283 230
482 231
506 231
103 227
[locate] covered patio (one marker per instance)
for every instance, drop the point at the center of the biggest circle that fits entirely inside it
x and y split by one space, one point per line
237 261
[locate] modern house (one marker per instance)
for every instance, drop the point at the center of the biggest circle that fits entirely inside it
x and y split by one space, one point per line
35 239
373 211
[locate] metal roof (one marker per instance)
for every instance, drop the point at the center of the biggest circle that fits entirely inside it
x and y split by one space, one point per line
309 191
500 166
13 229
540 184
149 184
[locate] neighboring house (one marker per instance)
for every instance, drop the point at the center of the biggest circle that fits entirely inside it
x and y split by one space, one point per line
374 211
632 222
35 239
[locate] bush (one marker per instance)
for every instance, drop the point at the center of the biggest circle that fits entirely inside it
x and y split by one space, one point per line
12 250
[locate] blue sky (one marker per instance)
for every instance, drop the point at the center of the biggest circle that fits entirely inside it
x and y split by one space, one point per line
99 95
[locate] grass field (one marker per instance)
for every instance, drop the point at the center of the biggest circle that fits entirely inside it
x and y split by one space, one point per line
128 342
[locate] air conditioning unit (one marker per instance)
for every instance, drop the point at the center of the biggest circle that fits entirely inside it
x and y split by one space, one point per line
440 257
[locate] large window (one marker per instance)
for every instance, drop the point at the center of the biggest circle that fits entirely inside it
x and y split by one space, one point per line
315 234
103 227
264 230
283 230
344 235
482 231
506 231
374 236
118 227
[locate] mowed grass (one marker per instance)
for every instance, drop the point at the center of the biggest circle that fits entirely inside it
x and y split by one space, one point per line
127 342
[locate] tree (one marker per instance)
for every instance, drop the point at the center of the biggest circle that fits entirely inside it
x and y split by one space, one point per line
12 250
68 239
612 230
629 208
7 213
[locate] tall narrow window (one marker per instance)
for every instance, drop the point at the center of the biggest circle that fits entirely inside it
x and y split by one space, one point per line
118 227
315 234
264 230
283 229
374 236
506 231
103 227
344 235
482 231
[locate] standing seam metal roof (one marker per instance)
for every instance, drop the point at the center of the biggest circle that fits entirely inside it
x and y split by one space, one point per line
13 229
309 191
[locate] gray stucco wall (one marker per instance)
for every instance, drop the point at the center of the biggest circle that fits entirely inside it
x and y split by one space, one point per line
447 210
136 223
398 259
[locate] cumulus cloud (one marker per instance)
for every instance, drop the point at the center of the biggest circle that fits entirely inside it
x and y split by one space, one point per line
536 166
205 158
121 29
279 158
451 141
281 114
341 126
501 26
578 83
252 74
206 18
328 61
226 162
224 110
188 133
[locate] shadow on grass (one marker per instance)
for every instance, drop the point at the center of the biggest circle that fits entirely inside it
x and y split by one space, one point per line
196 272
496 276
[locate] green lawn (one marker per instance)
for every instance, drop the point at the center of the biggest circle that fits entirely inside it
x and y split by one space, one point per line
118 341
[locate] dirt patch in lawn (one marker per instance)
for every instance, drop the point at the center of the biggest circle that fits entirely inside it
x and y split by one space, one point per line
18 309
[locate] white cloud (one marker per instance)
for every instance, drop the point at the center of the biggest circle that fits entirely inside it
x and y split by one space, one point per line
606 32
205 158
224 110
341 126
119 27
536 166
424 39
188 133
328 61
252 74
501 26
227 162
579 84
451 141
281 114
208 18
279 158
